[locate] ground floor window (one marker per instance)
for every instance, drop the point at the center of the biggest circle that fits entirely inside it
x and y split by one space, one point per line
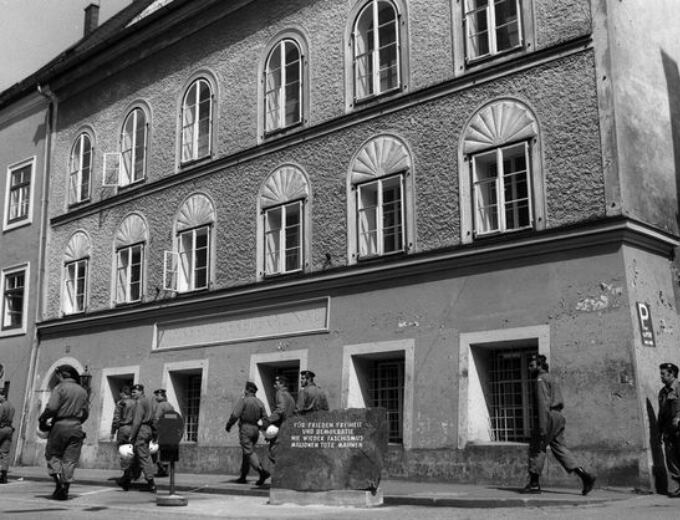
290 369
187 389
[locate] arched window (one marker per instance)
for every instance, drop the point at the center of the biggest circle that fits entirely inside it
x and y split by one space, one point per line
80 169
197 110
501 181
376 50
380 199
283 86
76 258
130 242
133 147
188 266
284 222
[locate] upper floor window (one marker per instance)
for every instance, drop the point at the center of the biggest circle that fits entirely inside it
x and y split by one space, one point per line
18 194
197 113
188 265
14 299
80 169
130 241
381 200
74 296
376 50
133 147
491 27
502 183
283 86
283 244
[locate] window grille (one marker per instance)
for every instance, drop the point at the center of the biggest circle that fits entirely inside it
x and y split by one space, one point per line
192 404
386 390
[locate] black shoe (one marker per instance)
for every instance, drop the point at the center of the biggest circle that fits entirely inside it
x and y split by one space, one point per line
241 480
587 479
531 489
150 486
264 475
61 493
674 494
3 477
58 488
124 483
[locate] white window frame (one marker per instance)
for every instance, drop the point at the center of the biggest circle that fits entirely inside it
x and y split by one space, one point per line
375 84
131 177
173 394
173 277
491 29
273 358
281 91
195 126
25 198
70 305
124 291
4 274
499 182
281 238
379 215
76 182
109 400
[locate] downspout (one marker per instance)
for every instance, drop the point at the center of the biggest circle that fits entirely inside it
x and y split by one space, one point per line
50 128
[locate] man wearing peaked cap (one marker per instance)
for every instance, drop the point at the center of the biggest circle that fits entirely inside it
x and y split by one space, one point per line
311 398
669 424
162 407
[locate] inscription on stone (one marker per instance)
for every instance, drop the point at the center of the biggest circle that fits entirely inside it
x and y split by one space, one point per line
333 435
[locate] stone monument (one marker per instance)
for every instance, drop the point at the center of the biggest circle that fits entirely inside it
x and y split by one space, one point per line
331 458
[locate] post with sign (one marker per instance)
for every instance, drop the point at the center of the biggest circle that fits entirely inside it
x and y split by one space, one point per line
170 433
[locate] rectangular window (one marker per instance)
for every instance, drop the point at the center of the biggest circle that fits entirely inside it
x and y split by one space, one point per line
502 190
380 216
194 254
19 193
386 390
129 274
186 386
13 299
492 27
75 280
269 371
283 238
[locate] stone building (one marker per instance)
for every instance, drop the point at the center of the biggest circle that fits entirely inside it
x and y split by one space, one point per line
407 196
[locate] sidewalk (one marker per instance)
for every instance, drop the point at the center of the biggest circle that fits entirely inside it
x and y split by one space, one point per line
395 492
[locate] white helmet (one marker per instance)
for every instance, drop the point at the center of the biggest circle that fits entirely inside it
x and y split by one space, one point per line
41 434
153 447
126 451
271 432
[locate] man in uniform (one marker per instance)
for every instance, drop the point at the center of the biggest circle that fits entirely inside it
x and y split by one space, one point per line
549 429
669 424
162 407
68 408
311 398
142 432
285 408
6 431
248 411
122 423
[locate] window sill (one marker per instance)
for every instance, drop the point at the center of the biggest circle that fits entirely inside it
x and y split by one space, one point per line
485 62
131 186
6 333
369 101
185 165
280 132
80 203
16 224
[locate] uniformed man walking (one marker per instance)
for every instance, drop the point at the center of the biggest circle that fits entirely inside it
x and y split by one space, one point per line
669 424
121 426
162 407
68 409
549 429
311 398
285 408
248 411
142 432
6 431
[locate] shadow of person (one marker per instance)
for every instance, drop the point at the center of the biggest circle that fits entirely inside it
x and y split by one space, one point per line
658 464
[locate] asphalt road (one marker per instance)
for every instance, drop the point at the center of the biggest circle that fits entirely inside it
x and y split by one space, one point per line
29 500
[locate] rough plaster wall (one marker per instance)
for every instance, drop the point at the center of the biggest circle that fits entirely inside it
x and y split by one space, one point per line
557 21
561 93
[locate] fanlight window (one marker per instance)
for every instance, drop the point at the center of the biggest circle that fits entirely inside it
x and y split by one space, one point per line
283 86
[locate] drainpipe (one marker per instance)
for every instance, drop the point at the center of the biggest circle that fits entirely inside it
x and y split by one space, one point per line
50 128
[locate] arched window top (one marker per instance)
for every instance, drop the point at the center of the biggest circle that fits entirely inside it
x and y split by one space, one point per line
499 122
285 184
383 155
132 230
78 247
197 210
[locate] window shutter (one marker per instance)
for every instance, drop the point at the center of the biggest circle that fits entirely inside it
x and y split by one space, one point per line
170 263
111 173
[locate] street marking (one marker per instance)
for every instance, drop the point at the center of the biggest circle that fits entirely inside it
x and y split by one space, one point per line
96 491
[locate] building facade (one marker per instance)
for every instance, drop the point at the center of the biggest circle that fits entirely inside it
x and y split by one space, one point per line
407 196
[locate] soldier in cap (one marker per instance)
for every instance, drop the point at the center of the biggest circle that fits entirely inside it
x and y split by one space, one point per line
669 424
311 398
248 411
121 426
68 408
6 431
285 408
142 432
549 429
162 407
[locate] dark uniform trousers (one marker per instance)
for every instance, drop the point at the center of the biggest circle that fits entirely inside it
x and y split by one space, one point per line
64 443
143 455
671 446
5 444
555 439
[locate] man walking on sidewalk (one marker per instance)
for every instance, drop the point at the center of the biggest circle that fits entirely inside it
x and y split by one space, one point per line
142 432
311 398
549 429
669 424
162 407
248 411
285 408
121 426
68 408
6 431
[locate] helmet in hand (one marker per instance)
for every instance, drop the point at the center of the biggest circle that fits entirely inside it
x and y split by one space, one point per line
153 447
126 451
271 432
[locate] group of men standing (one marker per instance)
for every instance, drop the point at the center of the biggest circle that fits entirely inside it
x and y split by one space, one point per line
251 415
